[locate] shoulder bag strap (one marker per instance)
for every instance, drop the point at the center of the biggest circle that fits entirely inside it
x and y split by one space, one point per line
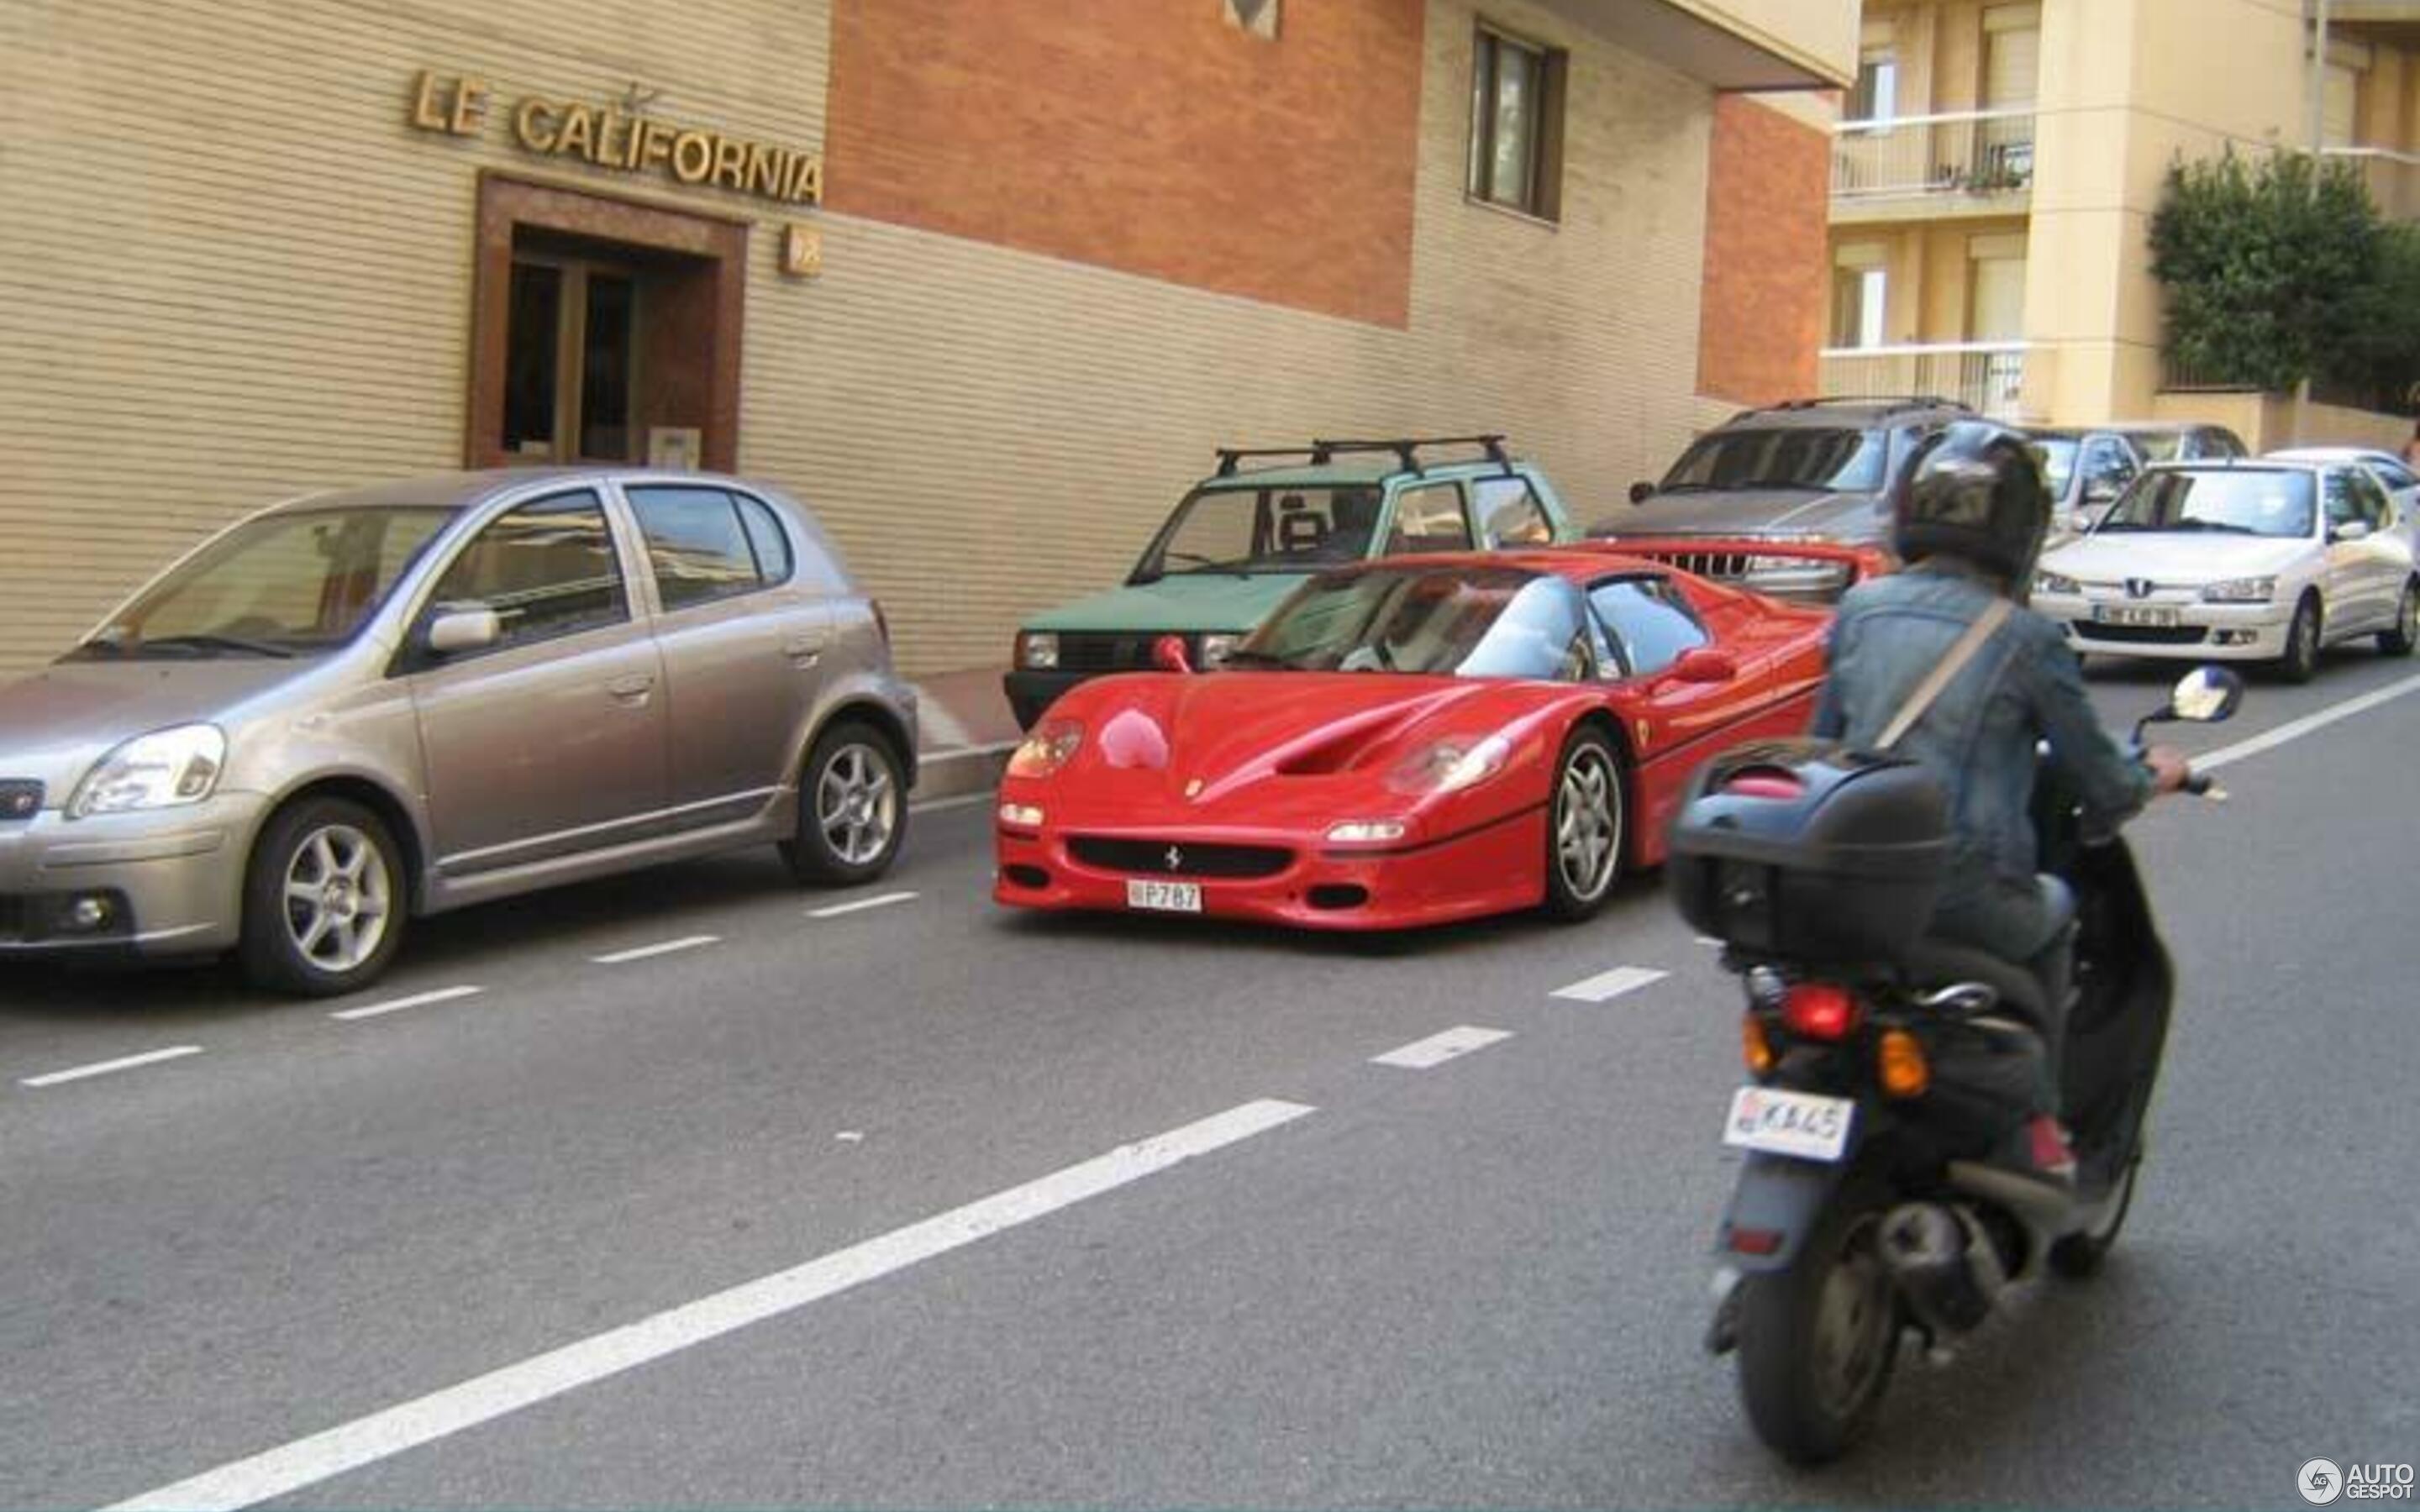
1943 671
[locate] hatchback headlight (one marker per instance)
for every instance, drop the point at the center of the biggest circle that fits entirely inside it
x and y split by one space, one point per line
2056 582
165 769
1215 649
2240 591
1038 650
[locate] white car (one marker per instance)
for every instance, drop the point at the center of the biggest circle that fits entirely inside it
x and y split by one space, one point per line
2264 561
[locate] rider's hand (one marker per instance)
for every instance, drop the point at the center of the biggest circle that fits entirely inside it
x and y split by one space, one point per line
2169 766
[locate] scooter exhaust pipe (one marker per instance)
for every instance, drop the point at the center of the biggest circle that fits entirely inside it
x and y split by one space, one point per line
1945 1267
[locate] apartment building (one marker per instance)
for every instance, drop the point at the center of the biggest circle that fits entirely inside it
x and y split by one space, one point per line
1997 165
983 281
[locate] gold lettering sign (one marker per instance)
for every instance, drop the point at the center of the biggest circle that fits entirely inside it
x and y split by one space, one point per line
608 137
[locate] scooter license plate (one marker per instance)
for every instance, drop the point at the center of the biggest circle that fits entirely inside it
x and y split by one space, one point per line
1802 1124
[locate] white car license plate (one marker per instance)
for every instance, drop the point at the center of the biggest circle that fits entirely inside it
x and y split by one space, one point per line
2147 614
1165 897
1789 1123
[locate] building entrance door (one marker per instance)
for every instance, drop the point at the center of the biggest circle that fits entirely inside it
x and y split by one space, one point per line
570 344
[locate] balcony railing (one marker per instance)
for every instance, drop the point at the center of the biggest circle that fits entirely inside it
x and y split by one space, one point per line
1988 376
2393 178
1977 153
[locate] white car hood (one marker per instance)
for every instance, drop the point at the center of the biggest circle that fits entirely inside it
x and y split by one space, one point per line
2175 556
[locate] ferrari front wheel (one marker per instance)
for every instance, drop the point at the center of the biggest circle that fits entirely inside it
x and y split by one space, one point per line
1584 828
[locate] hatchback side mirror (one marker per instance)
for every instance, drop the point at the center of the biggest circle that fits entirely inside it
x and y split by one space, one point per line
465 627
1641 491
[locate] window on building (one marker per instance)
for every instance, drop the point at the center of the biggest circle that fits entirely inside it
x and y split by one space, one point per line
1860 295
1876 95
2012 56
1517 124
1996 288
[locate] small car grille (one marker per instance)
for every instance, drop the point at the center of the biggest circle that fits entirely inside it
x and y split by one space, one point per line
2144 635
1105 653
19 799
1179 858
1710 563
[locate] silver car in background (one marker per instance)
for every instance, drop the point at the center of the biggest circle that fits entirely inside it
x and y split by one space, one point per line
357 707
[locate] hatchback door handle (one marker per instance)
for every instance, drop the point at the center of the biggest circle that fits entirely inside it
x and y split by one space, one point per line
635 686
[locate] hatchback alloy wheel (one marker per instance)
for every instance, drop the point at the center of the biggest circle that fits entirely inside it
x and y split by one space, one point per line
324 899
857 804
852 808
337 896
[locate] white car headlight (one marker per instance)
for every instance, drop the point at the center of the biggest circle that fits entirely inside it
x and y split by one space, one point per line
2056 582
165 769
2240 591
1038 650
1215 649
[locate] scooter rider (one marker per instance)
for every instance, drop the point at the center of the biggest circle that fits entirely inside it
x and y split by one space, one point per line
1969 526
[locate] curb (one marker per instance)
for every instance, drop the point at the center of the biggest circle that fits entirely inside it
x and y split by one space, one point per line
959 772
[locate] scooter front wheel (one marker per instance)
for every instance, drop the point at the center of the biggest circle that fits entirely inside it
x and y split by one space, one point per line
1816 1342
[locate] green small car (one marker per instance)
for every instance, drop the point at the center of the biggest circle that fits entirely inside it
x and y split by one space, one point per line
1244 538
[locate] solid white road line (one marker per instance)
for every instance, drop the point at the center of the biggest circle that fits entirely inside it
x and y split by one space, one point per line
77 1073
443 995
648 952
484 1398
2297 728
1439 1048
861 906
1609 985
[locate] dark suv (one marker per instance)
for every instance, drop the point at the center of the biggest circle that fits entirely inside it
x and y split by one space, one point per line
1823 469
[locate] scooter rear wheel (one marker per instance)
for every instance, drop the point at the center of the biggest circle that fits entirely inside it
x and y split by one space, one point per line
2079 1255
1816 1342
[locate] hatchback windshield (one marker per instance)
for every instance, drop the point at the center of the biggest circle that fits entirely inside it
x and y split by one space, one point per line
1265 528
2238 500
1489 623
283 583
1793 458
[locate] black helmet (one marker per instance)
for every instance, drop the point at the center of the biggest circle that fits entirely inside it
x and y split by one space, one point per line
1975 493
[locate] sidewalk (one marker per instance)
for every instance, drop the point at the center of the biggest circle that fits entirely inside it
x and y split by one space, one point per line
965 732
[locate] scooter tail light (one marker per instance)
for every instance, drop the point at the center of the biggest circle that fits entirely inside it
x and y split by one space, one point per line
1819 1010
1755 1048
1899 1064
1754 1240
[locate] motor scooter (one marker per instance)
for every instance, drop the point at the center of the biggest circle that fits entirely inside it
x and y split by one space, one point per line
1890 1072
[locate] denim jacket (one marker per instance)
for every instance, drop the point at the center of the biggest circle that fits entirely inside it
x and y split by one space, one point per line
2021 686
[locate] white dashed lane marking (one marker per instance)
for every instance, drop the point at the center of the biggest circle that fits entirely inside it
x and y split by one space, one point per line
366 1441
1606 985
443 995
645 952
859 906
103 1068
1439 1048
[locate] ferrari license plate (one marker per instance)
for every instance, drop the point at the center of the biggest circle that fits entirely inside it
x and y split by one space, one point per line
1789 1123
2144 614
1165 897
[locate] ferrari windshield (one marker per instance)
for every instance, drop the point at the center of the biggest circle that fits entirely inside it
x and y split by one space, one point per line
1440 621
294 581
1794 456
2234 501
1264 528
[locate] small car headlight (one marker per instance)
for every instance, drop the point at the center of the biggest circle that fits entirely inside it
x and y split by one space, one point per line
1365 831
1038 650
2240 591
1215 649
1021 815
1048 749
2054 582
1451 766
165 769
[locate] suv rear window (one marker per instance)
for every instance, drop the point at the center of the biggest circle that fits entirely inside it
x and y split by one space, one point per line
1796 456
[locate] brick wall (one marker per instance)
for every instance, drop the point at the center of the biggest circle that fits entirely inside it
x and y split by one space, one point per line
1767 200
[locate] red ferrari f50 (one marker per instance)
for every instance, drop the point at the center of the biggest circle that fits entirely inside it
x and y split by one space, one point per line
1410 741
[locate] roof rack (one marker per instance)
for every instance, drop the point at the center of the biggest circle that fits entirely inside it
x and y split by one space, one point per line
1889 403
1406 448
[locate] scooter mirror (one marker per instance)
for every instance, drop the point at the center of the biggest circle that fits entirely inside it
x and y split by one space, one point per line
2206 695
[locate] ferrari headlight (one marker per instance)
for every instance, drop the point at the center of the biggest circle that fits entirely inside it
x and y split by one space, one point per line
2240 591
1038 650
1215 649
1365 832
165 769
2056 582
1451 766
1021 815
1049 748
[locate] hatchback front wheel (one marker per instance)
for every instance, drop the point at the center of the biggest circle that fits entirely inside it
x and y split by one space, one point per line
323 900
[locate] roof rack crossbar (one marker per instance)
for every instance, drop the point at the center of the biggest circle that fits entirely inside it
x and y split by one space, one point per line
1406 448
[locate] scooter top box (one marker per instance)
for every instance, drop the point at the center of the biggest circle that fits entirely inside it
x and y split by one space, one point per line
1804 849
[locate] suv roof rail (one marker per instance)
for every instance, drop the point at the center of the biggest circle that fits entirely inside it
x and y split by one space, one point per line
1889 403
1324 450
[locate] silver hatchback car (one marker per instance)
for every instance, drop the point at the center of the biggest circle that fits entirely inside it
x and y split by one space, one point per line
357 707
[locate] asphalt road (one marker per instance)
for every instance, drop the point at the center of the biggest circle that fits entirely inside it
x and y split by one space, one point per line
927 1205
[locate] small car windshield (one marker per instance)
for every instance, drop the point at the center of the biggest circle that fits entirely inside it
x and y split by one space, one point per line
285 583
1440 621
2236 501
1794 456
1264 528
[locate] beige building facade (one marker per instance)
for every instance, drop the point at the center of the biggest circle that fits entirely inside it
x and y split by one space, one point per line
982 281
1997 168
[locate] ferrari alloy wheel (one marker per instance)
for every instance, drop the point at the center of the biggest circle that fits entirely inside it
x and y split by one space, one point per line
1584 829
